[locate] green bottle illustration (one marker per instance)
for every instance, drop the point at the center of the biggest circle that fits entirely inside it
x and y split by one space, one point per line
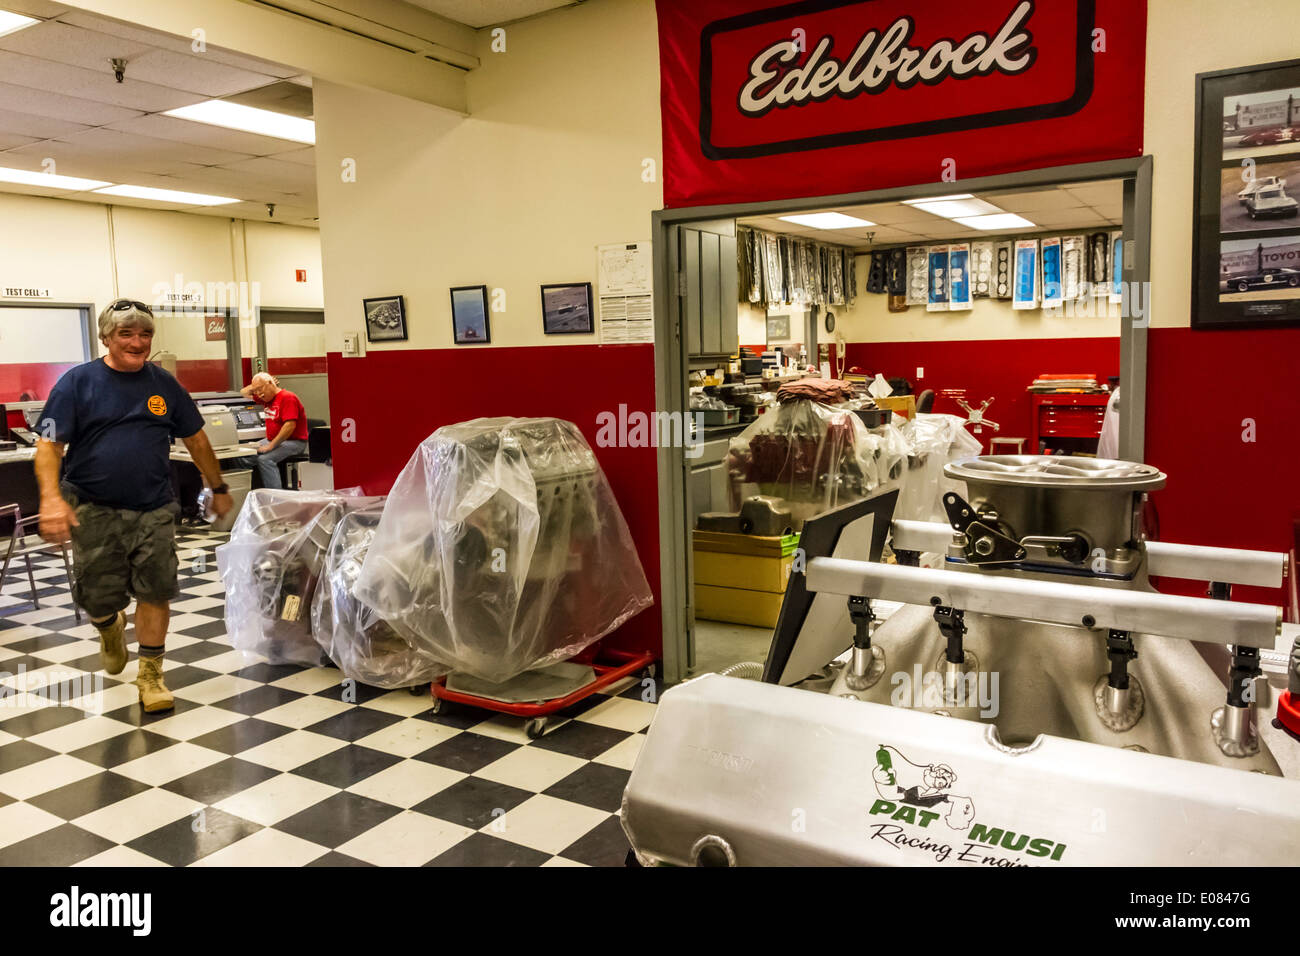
884 762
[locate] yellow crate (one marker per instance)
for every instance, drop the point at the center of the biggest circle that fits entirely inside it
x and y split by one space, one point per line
744 571
737 605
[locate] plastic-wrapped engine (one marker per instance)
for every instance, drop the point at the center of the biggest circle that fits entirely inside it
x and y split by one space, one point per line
933 441
272 565
363 645
813 456
502 548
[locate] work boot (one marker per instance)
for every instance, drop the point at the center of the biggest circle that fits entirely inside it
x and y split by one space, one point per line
154 695
112 645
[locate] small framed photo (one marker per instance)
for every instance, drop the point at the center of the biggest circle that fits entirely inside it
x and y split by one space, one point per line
385 319
469 315
566 309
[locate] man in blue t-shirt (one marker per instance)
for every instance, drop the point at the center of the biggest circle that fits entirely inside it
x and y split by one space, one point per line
116 418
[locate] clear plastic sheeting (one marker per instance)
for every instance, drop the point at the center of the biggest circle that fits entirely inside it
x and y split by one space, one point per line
812 456
933 441
272 565
362 645
502 549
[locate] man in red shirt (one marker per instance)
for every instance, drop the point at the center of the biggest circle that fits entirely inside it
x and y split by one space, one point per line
286 428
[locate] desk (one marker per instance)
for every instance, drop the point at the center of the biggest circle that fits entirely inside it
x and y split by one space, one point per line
187 482
181 453
1075 417
18 480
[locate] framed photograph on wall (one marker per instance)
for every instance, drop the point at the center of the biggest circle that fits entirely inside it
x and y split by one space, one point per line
385 319
469 315
1246 211
566 309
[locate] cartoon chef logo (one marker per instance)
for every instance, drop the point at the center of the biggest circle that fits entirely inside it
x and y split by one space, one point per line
921 785
157 405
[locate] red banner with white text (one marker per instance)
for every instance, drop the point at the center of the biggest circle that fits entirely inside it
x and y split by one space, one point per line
825 96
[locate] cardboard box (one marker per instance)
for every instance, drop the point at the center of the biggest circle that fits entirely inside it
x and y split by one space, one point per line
740 578
904 405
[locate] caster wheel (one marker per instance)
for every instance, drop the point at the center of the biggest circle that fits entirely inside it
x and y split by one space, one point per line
418 690
535 728
437 707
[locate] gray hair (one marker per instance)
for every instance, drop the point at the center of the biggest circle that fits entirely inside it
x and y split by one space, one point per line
124 314
265 377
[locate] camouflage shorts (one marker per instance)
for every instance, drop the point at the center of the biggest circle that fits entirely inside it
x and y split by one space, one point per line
118 553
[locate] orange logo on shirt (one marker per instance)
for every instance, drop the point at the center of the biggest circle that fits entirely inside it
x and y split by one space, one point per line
157 405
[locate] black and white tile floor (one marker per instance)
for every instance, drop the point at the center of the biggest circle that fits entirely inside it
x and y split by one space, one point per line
269 765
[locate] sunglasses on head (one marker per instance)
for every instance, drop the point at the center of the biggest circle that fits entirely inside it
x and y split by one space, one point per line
126 305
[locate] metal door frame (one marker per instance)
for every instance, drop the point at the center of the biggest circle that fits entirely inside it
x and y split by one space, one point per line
672 360
281 315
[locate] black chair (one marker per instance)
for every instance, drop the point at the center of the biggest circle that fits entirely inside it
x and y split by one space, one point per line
925 401
26 546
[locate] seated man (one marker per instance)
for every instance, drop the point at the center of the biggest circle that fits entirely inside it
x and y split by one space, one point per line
286 428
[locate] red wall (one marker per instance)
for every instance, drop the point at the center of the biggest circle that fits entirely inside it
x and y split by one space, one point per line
998 368
396 399
34 378
1223 491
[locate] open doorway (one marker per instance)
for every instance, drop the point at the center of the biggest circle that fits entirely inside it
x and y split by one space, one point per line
1074 238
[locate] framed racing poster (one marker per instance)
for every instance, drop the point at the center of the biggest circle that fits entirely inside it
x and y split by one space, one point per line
1245 226
385 319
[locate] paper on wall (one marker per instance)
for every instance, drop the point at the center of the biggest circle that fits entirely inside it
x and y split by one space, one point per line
625 279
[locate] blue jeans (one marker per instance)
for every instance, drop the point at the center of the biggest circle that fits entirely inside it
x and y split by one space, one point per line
268 464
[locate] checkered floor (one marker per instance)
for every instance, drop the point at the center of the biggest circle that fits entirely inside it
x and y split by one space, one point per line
268 765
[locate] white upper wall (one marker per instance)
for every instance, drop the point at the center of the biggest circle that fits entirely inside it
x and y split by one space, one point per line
547 166
1186 37
64 246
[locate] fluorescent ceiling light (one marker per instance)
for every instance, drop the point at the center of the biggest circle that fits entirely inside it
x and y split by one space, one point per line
13 22
827 220
913 202
1005 220
165 195
27 177
953 208
249 119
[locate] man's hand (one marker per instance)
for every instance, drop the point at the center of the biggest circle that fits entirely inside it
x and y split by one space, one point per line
58 518
221 504
265 447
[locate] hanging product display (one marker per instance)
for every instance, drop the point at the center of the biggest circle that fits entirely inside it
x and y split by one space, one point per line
1099 263
1025 278
896 272
1073 251
918 275
502 549
981 268
835 288
751 264
773 274
851 276
938 280
1053 287
1117 266
959 287
1002 269
876 273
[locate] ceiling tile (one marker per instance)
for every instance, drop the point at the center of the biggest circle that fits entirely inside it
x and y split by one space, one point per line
72 45
165 41
1093 194
1030 202
11 140
139 152
23 99
94 85
38 127
195 73
202 134
290 177
304 157
1067 218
